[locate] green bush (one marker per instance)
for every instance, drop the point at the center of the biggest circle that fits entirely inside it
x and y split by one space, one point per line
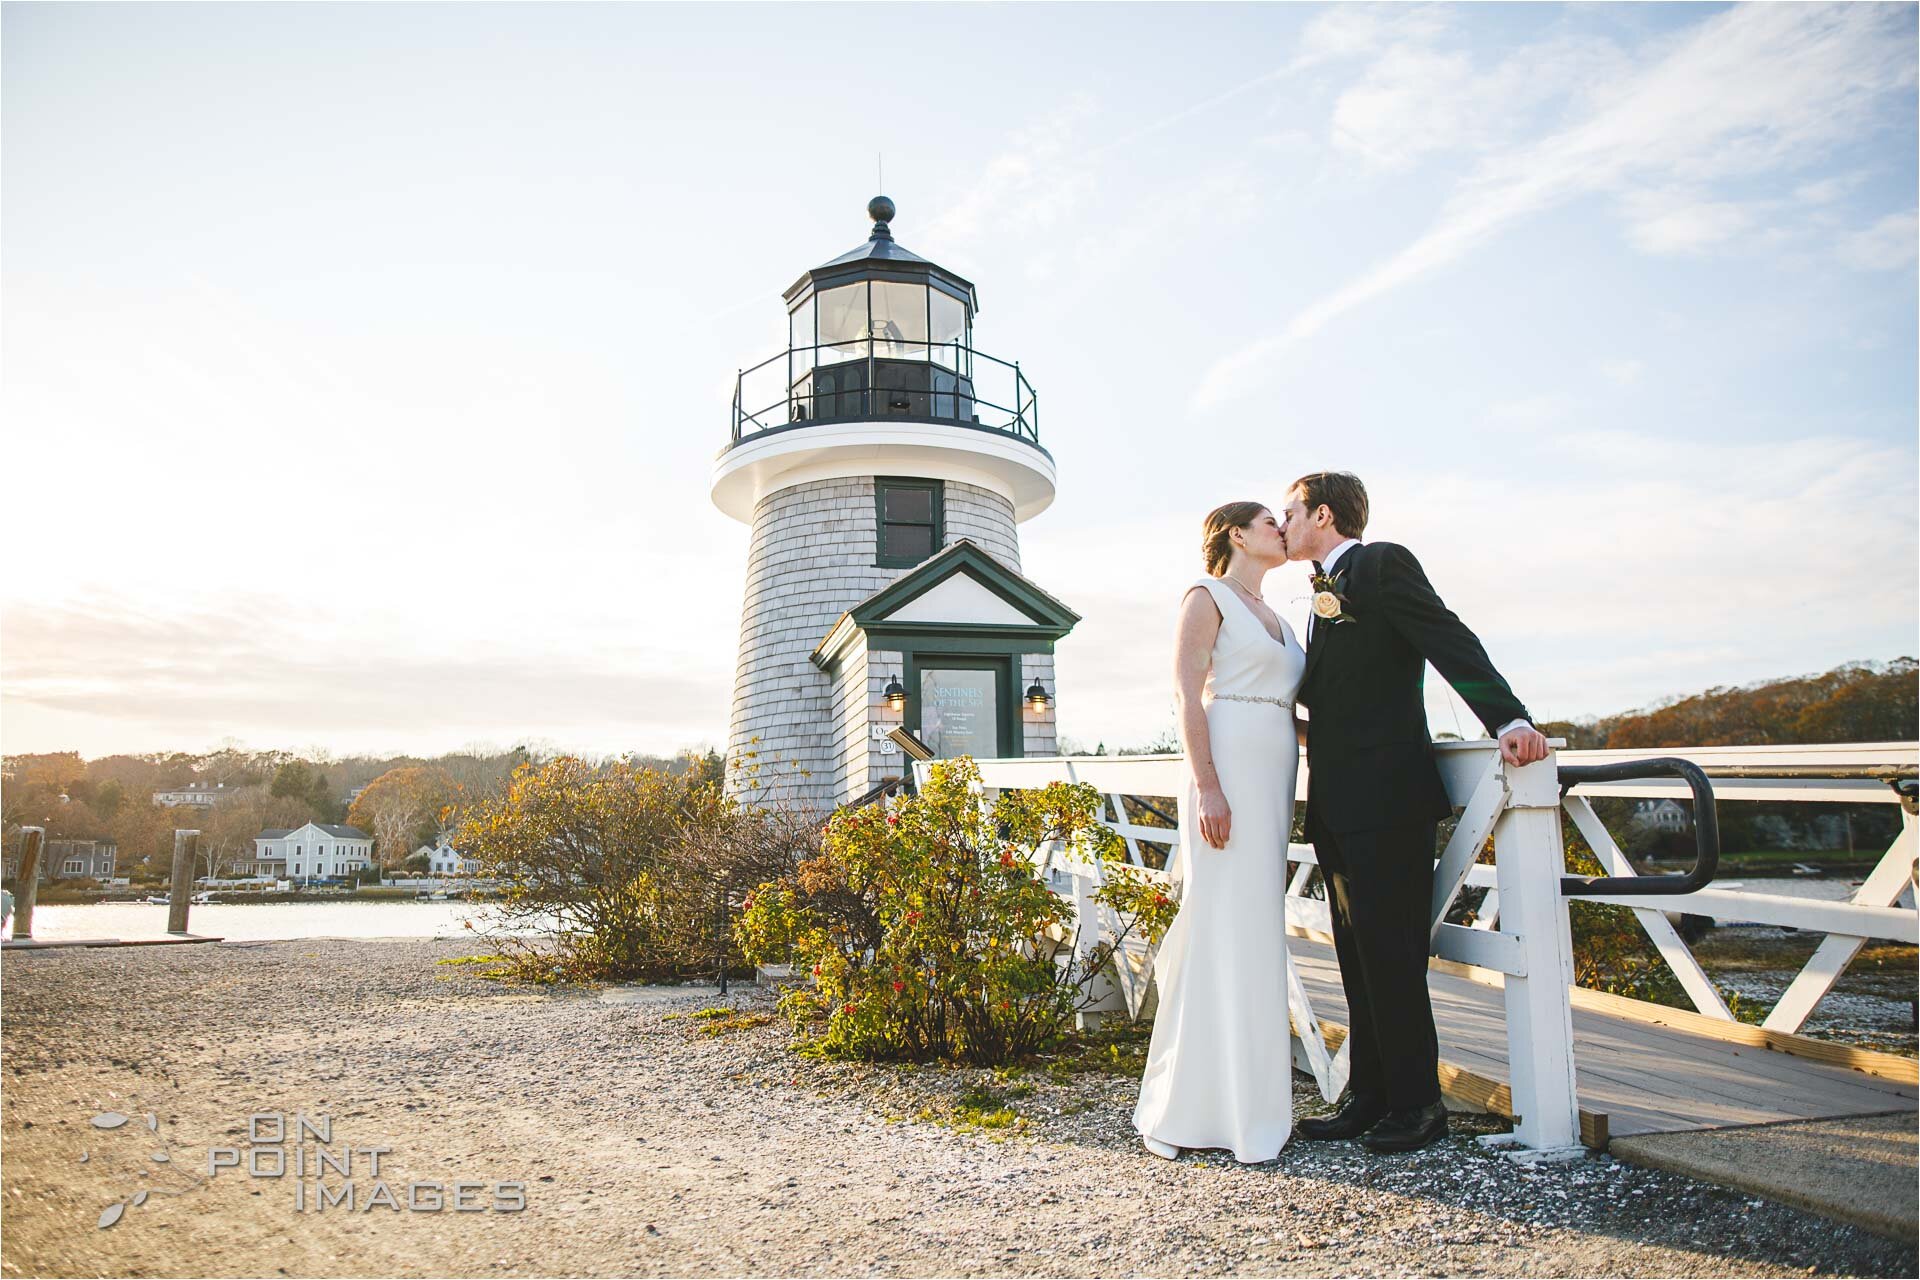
922 931
599 856
1142 899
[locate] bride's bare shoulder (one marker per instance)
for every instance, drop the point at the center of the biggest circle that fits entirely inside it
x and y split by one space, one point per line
1199 601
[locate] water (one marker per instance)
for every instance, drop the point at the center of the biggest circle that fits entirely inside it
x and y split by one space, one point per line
258 921
1816 888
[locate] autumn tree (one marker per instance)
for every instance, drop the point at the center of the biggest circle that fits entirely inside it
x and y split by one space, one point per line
297 779
229 829
1858 702
620 865
109 796
476 772
54 770
403 808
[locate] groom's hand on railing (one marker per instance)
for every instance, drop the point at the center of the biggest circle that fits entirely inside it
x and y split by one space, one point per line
1523 744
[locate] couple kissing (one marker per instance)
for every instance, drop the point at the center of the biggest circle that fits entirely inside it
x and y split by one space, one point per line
1219 1067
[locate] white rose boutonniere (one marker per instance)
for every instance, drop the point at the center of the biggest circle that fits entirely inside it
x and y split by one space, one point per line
1328 603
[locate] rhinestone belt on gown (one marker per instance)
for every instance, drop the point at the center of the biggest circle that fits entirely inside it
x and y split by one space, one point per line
1249 697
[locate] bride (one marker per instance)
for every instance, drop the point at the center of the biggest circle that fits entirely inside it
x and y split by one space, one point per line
1220 1065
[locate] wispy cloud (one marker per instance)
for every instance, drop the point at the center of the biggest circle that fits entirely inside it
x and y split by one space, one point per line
1418 99
1887 245
1748 91
1025 180
1354 30
1046 169
250 668
1674 222
1622 370
1626 534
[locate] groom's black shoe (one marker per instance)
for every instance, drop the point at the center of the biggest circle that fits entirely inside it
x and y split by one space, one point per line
1350 1121
1408 1130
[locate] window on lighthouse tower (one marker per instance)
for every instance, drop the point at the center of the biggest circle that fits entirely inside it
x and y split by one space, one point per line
908 515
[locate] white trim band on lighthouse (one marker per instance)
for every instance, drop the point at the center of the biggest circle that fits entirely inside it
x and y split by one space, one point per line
1002 463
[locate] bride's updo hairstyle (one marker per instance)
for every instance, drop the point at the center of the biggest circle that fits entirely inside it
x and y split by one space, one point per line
1216 543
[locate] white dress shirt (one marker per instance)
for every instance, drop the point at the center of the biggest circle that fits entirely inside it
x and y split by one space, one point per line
1326 566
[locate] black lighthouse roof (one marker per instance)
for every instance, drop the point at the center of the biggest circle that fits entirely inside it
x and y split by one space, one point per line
883 258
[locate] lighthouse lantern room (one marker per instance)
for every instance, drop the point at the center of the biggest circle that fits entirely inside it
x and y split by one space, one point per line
884 465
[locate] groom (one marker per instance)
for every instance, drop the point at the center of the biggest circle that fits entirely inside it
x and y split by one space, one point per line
1374 795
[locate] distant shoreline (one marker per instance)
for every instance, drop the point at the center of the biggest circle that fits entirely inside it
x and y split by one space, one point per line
50 896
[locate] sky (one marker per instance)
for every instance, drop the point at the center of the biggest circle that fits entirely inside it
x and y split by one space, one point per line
364 365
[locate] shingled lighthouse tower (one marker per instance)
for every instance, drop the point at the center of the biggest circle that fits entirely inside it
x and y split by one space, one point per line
885 465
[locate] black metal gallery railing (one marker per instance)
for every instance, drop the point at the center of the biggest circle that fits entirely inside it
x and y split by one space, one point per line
879 378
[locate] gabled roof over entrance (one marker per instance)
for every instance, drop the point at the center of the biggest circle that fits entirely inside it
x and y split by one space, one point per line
961 590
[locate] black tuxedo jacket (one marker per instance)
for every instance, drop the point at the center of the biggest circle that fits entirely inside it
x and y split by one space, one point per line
1369 757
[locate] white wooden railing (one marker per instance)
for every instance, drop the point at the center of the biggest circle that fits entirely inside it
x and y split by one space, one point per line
1873 912
1520 926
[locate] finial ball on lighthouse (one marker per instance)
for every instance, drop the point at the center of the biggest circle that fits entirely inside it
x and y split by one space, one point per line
880 209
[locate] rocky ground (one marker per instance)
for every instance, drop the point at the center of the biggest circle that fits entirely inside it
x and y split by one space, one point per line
653 1139
1872 1006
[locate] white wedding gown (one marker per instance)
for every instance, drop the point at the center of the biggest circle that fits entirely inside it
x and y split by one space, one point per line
1220 1064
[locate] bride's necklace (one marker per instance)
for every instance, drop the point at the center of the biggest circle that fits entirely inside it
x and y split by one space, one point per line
1251 595
1252 600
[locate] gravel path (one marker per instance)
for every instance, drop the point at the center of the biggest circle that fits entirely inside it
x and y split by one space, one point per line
653 1145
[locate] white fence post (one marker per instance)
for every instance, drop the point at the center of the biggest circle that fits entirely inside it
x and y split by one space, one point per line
1104 994
1529 859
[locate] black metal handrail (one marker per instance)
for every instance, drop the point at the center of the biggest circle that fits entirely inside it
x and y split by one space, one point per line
878 792
1706 828
1022 418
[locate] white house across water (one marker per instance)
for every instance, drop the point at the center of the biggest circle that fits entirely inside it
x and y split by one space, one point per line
197 794
445 860
317 851
885 466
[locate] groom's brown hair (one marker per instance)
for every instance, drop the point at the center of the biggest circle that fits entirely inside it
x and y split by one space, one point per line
1341 493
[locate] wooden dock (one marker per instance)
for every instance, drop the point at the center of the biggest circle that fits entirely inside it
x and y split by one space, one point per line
38 944
1639 1068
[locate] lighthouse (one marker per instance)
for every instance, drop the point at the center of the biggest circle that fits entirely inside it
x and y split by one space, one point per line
885 465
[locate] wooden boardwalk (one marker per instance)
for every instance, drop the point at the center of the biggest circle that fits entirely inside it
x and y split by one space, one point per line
1636 1074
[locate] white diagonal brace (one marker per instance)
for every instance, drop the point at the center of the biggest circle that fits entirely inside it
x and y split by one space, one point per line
1297 887
1673 948
1121 825
1487 915
1882 889
1329 1070
1469 837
